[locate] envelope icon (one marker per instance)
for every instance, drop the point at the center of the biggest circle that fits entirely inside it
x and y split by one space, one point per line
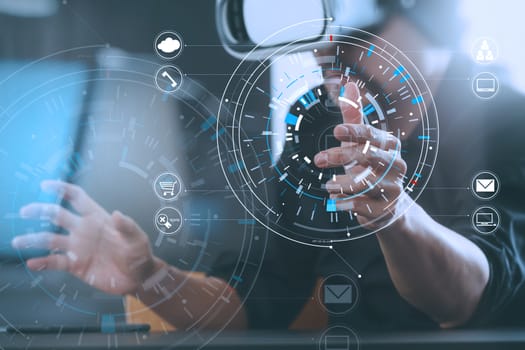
338 294
485 185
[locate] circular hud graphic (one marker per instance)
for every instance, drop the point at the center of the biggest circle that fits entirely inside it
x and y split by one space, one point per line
276 127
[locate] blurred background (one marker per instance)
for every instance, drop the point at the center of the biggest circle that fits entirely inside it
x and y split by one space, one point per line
496 20
124 127
79 99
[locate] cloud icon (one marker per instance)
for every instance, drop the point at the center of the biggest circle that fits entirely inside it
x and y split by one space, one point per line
169 45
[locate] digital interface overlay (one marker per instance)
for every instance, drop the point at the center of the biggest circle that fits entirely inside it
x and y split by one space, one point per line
116 128
270 156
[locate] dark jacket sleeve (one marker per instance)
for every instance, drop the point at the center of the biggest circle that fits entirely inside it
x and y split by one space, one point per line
274 295
487 136
504 297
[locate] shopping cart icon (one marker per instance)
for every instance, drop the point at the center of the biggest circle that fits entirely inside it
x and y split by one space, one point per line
168 188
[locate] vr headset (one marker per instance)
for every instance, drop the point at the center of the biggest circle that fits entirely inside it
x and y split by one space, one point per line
259 27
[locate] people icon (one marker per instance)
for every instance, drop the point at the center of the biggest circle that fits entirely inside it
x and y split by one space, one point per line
485 52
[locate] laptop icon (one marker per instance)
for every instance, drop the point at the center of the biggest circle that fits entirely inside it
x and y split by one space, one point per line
485 85
485 220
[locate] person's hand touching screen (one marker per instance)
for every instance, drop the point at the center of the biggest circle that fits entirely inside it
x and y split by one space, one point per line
409 235
107 251
112 253
363 149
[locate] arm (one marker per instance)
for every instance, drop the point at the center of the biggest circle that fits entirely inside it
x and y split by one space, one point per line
194 299
113 254
434 268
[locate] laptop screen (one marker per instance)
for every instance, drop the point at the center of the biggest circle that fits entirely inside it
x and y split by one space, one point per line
40 107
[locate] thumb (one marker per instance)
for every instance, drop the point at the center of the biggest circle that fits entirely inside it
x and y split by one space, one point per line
350 104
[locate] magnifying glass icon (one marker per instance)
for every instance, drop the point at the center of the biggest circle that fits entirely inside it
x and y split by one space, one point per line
168 220
163 220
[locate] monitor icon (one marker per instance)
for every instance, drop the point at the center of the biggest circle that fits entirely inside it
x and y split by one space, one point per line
337 342
485 85
485 220
338 338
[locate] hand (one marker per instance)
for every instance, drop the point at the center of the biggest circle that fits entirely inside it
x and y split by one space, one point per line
107 251
365 149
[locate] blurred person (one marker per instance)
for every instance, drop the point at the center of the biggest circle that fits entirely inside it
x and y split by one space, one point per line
418 272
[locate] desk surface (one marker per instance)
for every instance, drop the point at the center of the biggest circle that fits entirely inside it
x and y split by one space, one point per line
450 340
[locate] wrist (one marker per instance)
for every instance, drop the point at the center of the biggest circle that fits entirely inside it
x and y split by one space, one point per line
405 223
157 265
151 268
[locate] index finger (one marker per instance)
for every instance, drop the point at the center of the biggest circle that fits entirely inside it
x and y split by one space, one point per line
75 195
350 104
362 133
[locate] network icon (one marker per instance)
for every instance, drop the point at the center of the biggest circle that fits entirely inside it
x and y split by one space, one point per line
484 51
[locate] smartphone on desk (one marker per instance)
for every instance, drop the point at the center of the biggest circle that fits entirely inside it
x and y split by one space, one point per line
116 328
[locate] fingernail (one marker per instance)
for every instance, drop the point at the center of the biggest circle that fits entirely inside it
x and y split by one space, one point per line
20 243
23 212
345 205
44 185
332 186
49 186
321 159
342 130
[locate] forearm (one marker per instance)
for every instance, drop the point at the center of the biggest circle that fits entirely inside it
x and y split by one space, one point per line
195 297
434 268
